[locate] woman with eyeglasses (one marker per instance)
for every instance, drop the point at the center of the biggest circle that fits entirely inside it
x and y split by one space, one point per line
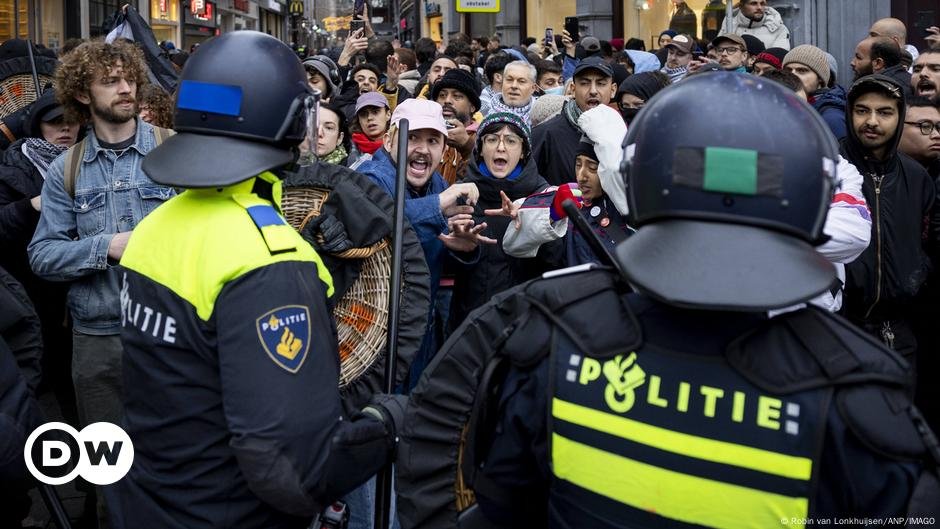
540 219
501 163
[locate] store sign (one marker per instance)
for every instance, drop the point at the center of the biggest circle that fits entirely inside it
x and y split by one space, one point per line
163 6
201 13
478 6
336 23
296 7
240 5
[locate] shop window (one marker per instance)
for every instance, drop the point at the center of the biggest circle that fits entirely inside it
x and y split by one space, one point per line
52 26
101 16
655 16
8 19
164 10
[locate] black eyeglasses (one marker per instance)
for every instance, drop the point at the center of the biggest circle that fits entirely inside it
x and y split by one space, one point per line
926 127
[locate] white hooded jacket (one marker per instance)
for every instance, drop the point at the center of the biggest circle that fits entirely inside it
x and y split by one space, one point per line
770 29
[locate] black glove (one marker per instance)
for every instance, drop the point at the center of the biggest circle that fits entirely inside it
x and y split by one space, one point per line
331 230
389 408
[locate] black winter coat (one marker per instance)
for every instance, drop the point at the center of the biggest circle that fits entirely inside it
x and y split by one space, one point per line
495 271
19 182
881 283
554 147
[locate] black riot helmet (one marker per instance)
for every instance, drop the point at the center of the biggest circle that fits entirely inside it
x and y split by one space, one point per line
728 209
243 105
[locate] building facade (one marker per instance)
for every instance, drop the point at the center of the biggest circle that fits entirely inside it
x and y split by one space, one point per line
835 25
184 22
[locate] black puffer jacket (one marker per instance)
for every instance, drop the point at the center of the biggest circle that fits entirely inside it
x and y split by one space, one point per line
881 283
495 271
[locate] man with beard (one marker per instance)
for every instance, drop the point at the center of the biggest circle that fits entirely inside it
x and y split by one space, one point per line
518 86
555 142
881 55
925 81
432 207
732 52
458 96
883 281
921 137
755 17
85 224
678 57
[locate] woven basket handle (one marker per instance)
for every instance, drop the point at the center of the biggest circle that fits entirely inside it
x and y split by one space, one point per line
352 253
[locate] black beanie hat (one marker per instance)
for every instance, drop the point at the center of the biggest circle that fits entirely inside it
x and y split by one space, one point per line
586 147
643 85
754 45
461 80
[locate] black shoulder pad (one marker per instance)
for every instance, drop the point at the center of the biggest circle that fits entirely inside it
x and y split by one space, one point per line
811 348
587 305
884 419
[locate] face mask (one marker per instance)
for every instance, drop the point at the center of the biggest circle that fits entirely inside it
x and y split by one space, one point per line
629 113
558 91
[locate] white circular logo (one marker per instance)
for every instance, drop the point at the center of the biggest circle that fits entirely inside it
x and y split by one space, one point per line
101 453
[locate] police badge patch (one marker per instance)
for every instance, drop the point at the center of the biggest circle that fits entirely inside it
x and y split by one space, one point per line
285 335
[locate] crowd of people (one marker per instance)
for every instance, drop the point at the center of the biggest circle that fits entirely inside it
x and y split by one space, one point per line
500 137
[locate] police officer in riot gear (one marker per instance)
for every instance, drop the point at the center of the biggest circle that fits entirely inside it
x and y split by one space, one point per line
682 404
231 365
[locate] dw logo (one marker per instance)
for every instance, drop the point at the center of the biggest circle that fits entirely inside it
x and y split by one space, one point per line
101 453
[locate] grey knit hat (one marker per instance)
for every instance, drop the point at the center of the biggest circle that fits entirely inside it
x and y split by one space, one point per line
546 107
812 57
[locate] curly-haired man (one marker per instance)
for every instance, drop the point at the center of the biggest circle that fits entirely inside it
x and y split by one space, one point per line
91 200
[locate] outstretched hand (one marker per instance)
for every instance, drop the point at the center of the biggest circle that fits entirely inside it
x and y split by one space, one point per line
508 209
464 234
933 37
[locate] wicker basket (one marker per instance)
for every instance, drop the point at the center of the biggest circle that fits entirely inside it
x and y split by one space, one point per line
362 313
17 89
17 92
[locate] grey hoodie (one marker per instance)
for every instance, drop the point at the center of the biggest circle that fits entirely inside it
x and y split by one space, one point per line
409 80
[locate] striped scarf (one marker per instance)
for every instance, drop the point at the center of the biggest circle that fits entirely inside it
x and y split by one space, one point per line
497 105
675 74
572 111
41 153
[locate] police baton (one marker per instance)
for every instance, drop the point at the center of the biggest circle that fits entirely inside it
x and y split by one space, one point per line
54 504
32 64
383 483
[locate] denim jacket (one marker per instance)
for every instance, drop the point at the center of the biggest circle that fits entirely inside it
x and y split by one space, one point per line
112 194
